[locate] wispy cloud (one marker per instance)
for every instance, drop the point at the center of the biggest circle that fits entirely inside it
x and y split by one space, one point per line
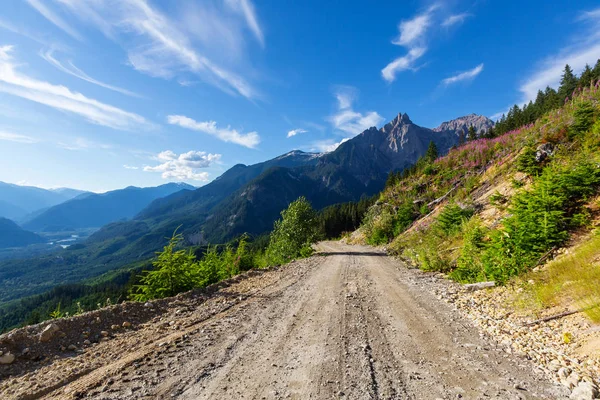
584 50
246 8
21 31
346 119
160 46
71 69
54 18
294 132
130 167
413 30
184 166
250 140
590 15
403 63
413 36
62 98
17 138
455 19
463 76
80 143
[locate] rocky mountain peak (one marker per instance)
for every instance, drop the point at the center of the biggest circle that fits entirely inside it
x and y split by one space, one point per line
397 122
462 124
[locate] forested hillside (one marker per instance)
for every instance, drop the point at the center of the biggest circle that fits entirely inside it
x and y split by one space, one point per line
496 207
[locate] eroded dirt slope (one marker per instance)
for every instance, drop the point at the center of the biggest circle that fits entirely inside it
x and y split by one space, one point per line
349 323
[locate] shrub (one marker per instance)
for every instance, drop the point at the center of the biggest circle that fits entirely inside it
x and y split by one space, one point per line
294 234
540 218
527 163
584 118
451 217
174 271
469 265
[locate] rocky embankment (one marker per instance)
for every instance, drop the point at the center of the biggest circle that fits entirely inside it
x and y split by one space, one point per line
566 350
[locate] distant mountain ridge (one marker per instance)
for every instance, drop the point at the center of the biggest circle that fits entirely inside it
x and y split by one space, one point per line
17 201
462 124
91 210
11 235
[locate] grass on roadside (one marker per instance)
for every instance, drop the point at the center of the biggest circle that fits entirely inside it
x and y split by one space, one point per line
572 278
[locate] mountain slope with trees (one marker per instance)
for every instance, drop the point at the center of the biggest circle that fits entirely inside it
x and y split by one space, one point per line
11 235
496 208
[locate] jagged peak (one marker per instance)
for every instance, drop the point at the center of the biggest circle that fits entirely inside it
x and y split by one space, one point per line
400 119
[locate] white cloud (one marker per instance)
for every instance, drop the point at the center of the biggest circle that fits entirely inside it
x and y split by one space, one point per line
130 167
412 36
62 98
294 132
54 18
71 69
463 76
346 119
585 50
456 19
17 138
402 63
183 166
413 30
163 47
250 140
246 8
327 146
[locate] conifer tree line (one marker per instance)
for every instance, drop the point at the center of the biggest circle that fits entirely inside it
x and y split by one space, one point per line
546 100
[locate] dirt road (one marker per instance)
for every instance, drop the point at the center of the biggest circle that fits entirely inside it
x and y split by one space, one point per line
349 324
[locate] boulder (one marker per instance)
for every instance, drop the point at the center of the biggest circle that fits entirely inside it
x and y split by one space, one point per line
7 358
584 391
544 151
48 332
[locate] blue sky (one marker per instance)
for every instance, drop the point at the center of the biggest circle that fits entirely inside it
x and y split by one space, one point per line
102 94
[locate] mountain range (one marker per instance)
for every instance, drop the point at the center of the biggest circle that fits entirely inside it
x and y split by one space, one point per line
244 199
250 198
16 201
93 210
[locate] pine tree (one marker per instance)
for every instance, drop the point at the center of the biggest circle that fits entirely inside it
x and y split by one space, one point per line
432 152
586 78
472 134
568 84
596 71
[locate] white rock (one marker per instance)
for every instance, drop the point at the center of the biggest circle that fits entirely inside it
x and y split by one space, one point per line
7 358
48 332
563 373
584 391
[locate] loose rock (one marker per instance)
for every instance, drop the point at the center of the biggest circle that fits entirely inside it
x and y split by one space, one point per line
7 358
48 332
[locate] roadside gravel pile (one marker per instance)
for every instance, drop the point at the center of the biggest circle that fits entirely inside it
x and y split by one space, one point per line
565 350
